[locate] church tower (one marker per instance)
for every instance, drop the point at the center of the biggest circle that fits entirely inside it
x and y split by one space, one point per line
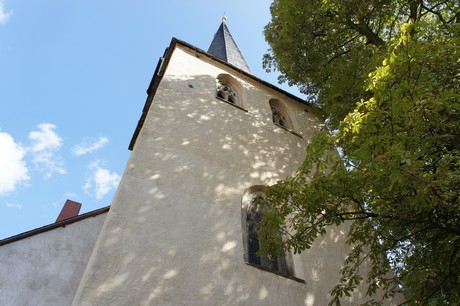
182 229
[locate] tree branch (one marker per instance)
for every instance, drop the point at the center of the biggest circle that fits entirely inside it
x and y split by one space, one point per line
438 14
364 30
413 9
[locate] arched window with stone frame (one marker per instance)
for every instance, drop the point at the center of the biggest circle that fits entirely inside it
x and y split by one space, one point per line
282 117
228 89
252 213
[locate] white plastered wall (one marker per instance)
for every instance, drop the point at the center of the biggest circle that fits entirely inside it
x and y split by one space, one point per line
173 235
45 269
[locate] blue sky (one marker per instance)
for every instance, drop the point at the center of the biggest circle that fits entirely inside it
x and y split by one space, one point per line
73 76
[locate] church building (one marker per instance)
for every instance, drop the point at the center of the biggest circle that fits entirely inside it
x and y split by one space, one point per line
182 227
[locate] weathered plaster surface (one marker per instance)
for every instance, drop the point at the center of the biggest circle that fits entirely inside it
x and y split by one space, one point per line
173 235
45 269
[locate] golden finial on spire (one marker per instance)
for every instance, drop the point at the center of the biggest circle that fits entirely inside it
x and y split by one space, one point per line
224 18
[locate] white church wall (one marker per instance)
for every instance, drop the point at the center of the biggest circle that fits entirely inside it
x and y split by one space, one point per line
174 235
45 269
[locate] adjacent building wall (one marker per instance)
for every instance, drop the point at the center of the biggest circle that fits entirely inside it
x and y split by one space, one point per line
45 269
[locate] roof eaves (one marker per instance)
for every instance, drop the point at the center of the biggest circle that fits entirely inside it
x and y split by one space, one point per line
152 89
54 225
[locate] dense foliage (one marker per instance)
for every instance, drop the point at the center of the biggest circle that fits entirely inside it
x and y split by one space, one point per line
386 73
328 48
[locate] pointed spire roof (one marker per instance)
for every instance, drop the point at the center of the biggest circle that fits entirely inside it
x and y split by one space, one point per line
224 47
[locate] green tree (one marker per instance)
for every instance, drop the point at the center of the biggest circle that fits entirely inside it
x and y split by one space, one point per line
328 47
397 122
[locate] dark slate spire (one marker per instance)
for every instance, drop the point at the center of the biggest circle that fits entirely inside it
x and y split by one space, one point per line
224 47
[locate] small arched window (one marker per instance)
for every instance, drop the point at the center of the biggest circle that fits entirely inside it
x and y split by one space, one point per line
226 92
253 203
278 117
229 90
281 116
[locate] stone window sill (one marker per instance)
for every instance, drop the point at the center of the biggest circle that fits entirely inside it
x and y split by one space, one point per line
290 131
275 272
232 104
